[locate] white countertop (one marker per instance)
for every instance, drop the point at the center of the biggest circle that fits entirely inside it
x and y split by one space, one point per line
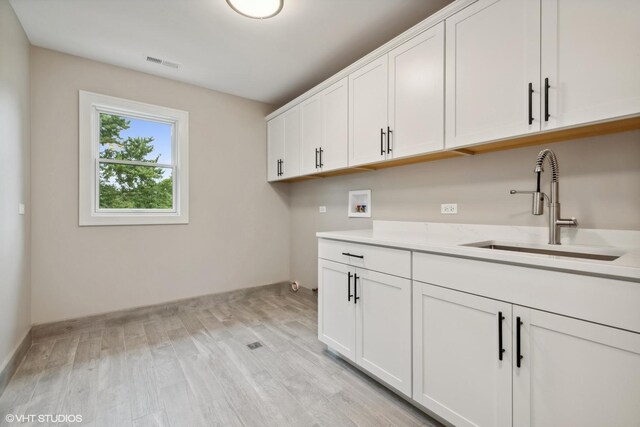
448 239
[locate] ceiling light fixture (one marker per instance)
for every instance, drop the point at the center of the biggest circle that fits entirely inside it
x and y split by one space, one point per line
257 9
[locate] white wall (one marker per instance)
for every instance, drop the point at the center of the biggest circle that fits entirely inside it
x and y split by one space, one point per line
599 185
15 313
238 235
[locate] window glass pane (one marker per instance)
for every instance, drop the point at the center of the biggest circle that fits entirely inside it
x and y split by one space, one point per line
135 187
128 138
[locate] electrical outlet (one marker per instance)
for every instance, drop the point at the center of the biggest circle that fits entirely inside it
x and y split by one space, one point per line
20 208
449 208
322 209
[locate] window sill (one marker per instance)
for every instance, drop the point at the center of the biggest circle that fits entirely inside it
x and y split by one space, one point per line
126 219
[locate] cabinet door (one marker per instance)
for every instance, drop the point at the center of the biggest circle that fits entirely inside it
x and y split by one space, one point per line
591 56
492 55
291 164
368 113
574 373
275 146
311 112
336 308
383 327
335 141
457 372
416 94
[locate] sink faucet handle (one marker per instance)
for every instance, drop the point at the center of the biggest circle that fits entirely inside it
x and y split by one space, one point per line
571 222
537 202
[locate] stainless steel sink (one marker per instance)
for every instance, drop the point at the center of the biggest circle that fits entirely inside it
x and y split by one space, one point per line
602 255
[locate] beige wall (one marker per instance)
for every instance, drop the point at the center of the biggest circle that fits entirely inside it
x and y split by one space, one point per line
15 316
245 232
238 235
599 181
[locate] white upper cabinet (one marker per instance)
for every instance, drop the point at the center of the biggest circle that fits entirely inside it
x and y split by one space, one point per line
492 71
311 120
396 103
416 95
368 113
335 129
325 129
275 147
573 373
283 145
291 164
591 58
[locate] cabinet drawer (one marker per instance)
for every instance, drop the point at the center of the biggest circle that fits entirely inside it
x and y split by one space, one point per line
385 260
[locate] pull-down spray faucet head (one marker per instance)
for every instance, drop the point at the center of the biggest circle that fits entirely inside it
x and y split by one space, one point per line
537 202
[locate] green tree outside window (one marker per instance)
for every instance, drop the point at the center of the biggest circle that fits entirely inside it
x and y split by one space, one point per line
125 186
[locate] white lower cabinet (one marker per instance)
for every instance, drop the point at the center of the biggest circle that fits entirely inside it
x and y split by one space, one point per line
383 327
555 370
574 373
469 350
457 368
366 316
336 308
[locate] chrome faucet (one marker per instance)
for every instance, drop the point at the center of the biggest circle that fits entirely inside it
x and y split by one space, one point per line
537 207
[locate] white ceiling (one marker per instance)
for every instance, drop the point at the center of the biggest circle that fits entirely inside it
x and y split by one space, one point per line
271 61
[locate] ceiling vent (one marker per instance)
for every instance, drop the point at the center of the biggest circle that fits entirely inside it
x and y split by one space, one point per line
164 62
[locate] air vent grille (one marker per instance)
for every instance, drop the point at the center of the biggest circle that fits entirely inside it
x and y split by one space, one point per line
164 62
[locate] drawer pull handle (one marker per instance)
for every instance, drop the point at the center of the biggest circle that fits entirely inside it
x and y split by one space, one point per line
530 103
546 99
355 288
518 349
500 349
352 255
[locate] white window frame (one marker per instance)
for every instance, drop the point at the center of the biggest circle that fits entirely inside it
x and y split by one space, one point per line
90 213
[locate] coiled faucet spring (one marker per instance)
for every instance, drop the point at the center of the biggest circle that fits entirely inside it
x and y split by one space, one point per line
553 161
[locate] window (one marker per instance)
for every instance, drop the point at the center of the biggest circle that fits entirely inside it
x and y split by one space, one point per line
133 162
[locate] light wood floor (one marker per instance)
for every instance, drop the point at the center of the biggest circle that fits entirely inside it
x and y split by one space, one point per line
194 368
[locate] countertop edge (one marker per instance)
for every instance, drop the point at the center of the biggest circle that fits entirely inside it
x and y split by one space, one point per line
616 272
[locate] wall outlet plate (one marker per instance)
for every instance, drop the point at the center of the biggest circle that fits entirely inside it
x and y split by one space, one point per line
322 209
449 208
20 208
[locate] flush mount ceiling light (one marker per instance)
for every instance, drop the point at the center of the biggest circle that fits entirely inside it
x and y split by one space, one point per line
257 9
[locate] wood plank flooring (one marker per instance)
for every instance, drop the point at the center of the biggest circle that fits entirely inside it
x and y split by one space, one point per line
194 369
